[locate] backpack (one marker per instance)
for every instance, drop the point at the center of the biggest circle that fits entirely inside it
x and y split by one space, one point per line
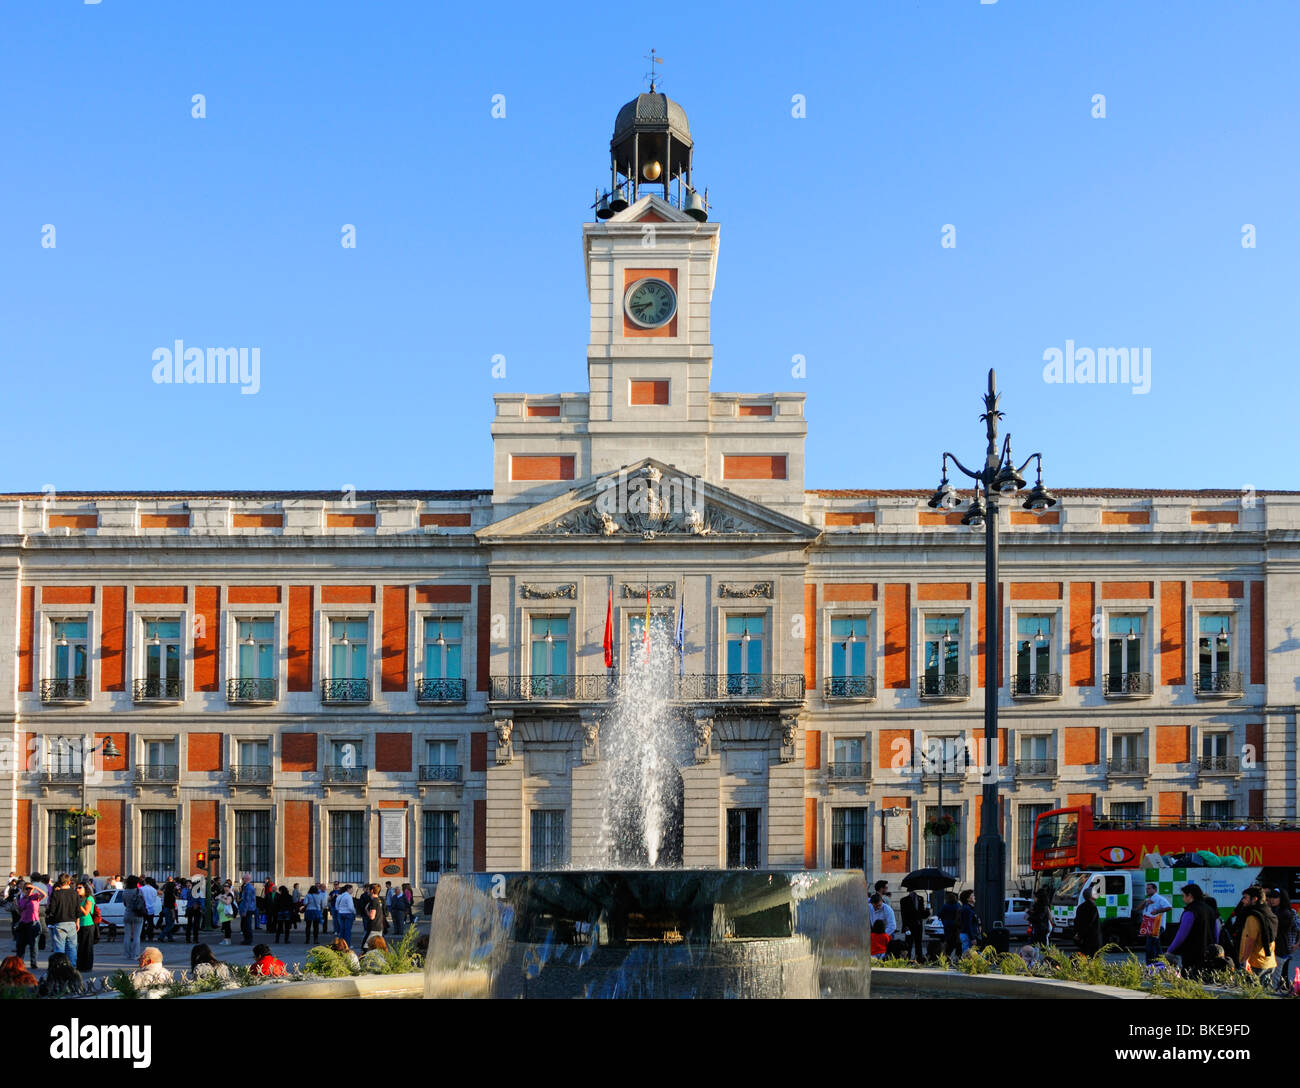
97 918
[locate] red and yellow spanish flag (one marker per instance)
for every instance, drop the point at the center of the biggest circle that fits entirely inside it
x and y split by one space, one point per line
609 632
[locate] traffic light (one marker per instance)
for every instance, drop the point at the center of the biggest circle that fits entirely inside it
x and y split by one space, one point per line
201 859
214 853
87 835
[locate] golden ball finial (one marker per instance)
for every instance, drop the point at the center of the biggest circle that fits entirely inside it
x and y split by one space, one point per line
651 170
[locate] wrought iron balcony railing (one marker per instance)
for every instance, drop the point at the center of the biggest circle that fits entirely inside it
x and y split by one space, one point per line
439 690
337 774
1026 686
65 689
1035 768
249 689
945 686
440 772
159 688
1127 766
848 770
249 774
954 769
850 687
694 687
164 773
1128 683
345 691
1219 764
1218 683
63 776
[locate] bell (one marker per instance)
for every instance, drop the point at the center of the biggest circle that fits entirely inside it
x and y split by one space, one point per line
603 210
651 170
695 206
618 202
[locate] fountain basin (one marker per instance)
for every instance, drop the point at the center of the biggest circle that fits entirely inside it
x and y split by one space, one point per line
650 933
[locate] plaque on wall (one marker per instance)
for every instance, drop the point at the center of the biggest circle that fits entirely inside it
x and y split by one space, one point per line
392 833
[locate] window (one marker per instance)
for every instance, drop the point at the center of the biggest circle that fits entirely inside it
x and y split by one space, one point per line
943 851
1124 656
547 841
62 755
253 843
1033 656
158 842
442 649
743 849
63 859
162 659
849 657
70 655
348 846
158 762
1034 749
848 838
945 756
1220 811
440 833
847 750
1124 751
1026 818
744 654
254 753
349 658
942 655
345 755
440 753
1128 812
549 654
256 649
1214 655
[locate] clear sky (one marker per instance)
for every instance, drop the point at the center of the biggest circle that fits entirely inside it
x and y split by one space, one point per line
1122 231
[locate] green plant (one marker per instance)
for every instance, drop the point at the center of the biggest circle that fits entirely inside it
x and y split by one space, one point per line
121 982
404 958
324 962
897 961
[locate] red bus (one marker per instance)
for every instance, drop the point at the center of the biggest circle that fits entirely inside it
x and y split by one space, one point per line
1070 838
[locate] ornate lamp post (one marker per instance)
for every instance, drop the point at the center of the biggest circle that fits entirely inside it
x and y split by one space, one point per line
109 750
998 476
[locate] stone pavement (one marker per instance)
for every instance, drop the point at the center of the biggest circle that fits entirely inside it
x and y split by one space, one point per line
176 955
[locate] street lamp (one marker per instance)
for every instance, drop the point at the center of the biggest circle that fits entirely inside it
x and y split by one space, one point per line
998 476
110 751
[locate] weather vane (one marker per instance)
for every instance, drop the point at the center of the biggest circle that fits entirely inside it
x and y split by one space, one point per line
652 74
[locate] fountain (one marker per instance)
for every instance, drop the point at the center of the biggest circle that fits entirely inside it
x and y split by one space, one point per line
645 927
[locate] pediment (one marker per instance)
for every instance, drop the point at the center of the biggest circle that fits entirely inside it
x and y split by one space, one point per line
653 209
646 501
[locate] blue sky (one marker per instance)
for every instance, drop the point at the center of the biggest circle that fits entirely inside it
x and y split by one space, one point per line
376 361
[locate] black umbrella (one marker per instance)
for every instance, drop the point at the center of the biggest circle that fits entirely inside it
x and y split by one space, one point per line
928 880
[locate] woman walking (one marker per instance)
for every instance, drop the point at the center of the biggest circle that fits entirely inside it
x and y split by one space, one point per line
29 926
282 906
85 928
313 909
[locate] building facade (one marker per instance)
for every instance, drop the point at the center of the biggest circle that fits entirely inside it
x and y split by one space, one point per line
392 685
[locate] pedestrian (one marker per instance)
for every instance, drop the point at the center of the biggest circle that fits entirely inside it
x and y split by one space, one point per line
1258 935
283 912
14 975
1040 918
1087 922
247 908
915 913
1288 932
151 971
62 979
949 914
167 917
226 908
1195 931
374 913
346 913
195 907
133 917
334 894
99 882
116 884
64 916
1153 918
29 925
264 963
152 906
297 904
880 911
397 910
203 964
265 904
86 935
969 927
313 909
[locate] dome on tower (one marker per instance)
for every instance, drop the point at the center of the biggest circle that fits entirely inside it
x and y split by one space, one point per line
653 112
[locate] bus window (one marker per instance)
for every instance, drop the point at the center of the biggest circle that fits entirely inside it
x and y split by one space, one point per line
1055 830
1116 885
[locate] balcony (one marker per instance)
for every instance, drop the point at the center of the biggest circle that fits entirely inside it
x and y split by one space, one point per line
249 774
952 770
692 688
1039 686
441 772
344 692
849 687
848 772
1218 765
1035 768
72 689
159 689
335 774
250 690
63 776
432 690
157 774
945 686
1127 685
1126 767
1222 684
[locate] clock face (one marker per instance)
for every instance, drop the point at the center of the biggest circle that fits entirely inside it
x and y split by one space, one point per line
650 303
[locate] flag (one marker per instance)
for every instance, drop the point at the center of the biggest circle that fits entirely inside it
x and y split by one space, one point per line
609 632
645 631
680 639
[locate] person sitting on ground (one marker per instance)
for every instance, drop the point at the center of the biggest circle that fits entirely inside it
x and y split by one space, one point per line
151 972
1031 955
61 978
341 947
203 964
14 975
1215 960
375 959
264 963
879 939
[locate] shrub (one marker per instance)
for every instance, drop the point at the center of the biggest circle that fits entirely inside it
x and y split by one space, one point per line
324 962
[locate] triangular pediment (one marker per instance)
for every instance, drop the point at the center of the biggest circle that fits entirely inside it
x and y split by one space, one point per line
645 501
652 209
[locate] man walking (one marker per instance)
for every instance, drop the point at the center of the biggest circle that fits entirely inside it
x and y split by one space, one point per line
345 912
64 915
168 917
915 913
133 912
1153 918
1087 922
1258 935
247 907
